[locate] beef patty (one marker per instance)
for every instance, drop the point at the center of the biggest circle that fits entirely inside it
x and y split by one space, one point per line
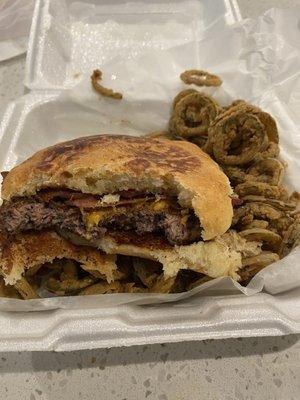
32 214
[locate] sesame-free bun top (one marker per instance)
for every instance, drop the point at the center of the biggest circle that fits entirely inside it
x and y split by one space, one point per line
106 164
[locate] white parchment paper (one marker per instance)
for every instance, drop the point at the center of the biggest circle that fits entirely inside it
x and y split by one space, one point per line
259 61
15 20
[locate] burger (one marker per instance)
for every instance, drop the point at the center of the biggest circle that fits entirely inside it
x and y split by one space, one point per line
97 198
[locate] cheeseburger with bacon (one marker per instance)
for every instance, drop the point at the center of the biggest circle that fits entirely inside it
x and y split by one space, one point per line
94 198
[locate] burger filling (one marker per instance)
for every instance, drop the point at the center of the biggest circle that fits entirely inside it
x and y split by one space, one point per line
91 217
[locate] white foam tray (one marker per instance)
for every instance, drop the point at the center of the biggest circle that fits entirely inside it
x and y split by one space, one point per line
69 38
50 69
204 318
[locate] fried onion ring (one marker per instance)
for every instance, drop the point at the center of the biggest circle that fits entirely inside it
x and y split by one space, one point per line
269 170
236 138
236 175
282 224
245 214
235 103
281 205
68 285
271 239
181 95
200 141
261 189
103 288
248 272
295 198
95 78
291 238
256 223
266 119
253 265
263 259
192 115
272 151
200 78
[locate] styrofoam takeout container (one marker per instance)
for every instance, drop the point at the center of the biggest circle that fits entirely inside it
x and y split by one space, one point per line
198 319
43 117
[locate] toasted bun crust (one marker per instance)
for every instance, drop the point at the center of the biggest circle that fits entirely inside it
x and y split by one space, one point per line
106 164
28 250
215 258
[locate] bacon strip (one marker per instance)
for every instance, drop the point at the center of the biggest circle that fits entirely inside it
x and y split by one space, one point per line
89 201
50 194
92 203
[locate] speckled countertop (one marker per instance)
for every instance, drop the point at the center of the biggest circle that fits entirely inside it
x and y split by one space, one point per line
254 368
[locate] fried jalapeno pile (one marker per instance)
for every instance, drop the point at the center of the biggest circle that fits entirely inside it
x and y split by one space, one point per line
65 277
244 141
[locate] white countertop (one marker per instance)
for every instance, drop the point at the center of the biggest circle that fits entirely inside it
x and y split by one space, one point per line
254 368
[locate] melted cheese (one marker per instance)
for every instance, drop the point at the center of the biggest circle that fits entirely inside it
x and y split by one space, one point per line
93 218
159 205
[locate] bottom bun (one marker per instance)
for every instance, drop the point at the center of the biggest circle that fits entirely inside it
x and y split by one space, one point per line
219 257
29 250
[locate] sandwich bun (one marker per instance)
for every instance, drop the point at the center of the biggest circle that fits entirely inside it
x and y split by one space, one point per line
106 164
31 249
219 257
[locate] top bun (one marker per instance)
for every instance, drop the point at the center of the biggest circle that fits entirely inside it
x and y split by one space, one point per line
107 164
